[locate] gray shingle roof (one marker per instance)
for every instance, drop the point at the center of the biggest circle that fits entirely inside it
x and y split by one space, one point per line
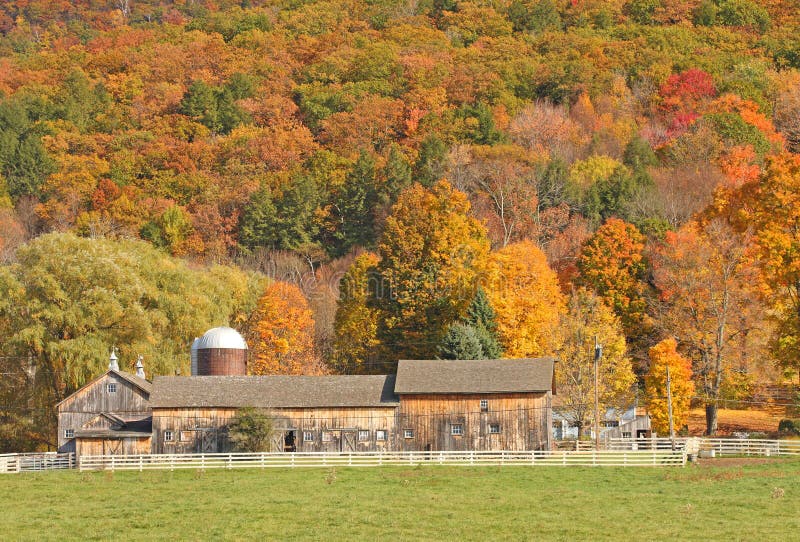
479 376
140 383
273 391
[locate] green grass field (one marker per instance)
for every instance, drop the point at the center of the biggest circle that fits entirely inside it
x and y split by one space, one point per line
708 502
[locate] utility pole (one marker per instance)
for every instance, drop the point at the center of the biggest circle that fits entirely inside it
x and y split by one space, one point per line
598 352
669 411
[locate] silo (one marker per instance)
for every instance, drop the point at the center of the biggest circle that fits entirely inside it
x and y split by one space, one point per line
194 356
220 352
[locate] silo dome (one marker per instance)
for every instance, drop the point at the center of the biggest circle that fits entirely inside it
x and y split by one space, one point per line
220 351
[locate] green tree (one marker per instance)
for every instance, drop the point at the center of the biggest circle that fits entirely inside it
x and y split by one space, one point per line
354 208
482 318
432 161
23 160
461 342
251 431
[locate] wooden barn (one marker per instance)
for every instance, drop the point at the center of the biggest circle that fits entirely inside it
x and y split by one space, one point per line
430 405
310 413
502 404
109 415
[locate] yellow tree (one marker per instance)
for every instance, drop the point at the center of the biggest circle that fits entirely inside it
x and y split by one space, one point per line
663 355
283 333
525 295
587 319
356 322
432 256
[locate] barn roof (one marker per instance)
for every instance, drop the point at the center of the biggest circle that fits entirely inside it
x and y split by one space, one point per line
134 380
474 376
273 391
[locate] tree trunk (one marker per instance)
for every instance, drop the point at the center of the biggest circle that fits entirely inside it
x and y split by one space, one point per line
711 419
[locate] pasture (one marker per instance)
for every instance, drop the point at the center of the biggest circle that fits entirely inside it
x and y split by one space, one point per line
724 499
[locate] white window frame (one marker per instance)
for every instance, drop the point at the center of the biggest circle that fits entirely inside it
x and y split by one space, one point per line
169 436
408 433
111 387
308 436
183 436
484 405
363 435
327 436
69 433
380 434
492 427
457 429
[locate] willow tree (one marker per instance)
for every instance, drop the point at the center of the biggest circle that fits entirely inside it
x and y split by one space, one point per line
67 300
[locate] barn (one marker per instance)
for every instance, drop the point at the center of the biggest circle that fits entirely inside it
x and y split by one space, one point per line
502 404
109 415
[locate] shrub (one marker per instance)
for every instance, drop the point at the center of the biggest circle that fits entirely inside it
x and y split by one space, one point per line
250 431
789 426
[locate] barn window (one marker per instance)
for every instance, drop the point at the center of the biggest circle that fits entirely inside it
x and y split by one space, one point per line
363 434
111 387
167 436
484 405
184 436
69 433
494 428
408 433
626 434
456 429
326 436
380 434
308 436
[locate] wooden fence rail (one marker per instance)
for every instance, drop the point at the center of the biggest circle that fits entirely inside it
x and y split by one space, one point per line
720 446
652 458
10 463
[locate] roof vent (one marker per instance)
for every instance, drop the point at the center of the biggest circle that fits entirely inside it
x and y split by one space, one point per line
112 360
140 367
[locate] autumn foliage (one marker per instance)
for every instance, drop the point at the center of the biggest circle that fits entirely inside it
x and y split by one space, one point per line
283 330
663 355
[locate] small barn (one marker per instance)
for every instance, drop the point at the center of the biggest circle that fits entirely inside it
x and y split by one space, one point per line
110 415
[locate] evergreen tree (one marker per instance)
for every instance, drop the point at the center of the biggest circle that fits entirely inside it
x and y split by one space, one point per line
397 172
461 342
432 161
355 207
481 317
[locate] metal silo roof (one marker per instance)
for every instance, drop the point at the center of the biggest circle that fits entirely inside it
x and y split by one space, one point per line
221 337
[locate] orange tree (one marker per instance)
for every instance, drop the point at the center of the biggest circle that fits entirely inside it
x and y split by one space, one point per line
663 355
283 333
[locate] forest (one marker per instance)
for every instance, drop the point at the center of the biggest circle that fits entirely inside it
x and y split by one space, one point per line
354 182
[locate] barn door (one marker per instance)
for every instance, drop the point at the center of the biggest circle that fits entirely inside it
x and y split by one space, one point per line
277 442
207 442
348 441
112 447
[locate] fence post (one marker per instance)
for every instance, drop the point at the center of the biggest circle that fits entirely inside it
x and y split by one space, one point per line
230 461
112 463
141 462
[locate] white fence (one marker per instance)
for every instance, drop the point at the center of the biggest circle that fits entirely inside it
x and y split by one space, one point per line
720 446
35 462
653 458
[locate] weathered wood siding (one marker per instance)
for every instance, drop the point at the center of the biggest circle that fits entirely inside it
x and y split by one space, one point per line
121 446
524 420
332 429
86 404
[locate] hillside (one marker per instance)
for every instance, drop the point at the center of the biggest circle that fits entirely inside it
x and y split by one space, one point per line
484 178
